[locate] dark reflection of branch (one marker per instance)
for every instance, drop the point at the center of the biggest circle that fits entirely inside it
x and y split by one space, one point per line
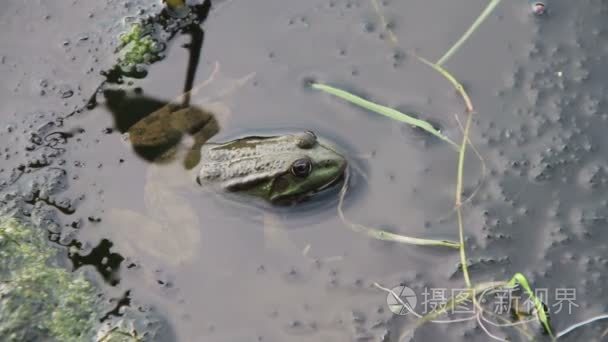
194 48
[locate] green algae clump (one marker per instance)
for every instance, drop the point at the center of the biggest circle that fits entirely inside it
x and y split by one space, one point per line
137 47
39 299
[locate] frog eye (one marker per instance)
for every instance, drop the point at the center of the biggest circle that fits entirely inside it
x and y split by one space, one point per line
307 140
301 167
312 134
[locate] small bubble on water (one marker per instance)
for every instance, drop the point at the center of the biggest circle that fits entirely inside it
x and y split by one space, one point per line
538 8
369 27
67 94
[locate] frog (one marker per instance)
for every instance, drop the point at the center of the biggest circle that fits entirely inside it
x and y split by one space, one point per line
281 169
177 143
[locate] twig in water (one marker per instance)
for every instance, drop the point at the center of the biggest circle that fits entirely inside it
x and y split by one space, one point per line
382 234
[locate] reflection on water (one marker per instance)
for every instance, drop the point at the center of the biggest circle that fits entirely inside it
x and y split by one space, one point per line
156 128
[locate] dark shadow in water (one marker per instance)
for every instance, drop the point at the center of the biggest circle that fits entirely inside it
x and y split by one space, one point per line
125 300
164 27
128 109
105 262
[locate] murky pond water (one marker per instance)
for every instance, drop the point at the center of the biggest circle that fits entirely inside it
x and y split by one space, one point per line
216 269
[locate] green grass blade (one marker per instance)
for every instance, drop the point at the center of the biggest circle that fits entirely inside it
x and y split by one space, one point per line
543 316
486 12
383 110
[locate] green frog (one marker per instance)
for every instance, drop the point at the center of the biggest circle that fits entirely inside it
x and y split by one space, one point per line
280 169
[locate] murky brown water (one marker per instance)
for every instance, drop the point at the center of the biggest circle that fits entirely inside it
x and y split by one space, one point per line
235 272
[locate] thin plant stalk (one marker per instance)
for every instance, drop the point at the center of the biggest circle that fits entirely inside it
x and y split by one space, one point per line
481 160
380 234
460 171
486 12
391 35
581 324
452 79
458 200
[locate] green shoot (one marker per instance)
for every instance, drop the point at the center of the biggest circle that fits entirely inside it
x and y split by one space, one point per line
543 317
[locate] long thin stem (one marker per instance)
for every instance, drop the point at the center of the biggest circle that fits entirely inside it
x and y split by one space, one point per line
462 152
458 201
486 12
580 324
452 79
391 35
380 234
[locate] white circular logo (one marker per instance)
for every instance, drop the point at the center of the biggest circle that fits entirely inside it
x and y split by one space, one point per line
405 303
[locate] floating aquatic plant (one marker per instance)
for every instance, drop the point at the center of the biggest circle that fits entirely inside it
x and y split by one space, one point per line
40 299
137 47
